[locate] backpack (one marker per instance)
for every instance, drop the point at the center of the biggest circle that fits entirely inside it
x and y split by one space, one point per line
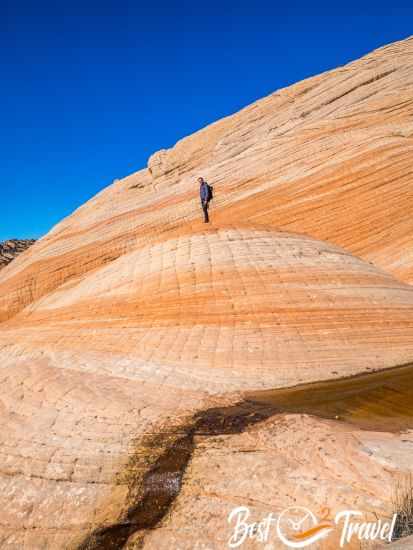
210 192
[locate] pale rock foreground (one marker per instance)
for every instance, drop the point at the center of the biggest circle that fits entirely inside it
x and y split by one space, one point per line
130 316
160 333
292 460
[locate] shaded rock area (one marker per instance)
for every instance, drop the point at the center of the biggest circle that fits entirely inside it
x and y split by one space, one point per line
12 248
402 544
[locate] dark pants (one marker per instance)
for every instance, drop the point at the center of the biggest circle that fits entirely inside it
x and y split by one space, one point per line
205 205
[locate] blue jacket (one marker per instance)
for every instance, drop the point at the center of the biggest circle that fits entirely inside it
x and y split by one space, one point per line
204 191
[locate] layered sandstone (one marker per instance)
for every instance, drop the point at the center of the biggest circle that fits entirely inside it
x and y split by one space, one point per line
348 455
131 315
292 460
329 156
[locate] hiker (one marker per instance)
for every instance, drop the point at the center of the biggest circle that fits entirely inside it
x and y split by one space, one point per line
205 192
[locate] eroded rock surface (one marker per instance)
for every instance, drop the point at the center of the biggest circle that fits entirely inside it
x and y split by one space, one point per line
131 315
283 459
12 248
89 370
287 461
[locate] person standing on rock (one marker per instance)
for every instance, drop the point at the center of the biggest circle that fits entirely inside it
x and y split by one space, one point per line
205 192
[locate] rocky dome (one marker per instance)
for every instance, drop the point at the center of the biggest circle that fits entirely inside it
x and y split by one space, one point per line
231 307
131 317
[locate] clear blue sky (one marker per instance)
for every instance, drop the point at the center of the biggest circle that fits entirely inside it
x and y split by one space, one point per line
90 90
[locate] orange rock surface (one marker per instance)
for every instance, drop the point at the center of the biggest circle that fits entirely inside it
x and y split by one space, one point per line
131 315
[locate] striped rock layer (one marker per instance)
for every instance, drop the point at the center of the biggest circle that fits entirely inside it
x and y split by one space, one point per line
131 315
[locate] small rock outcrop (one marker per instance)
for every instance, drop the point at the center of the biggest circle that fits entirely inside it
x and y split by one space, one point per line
157 163
12 248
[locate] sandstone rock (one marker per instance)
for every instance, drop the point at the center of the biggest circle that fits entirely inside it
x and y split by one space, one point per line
275 462
157 164
319 158
402 544
287 461
94 366
131 316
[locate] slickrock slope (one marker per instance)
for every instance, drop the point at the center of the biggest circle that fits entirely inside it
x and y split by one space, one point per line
330 156
12 248
293 460
141 344
227 308
131 315
289 460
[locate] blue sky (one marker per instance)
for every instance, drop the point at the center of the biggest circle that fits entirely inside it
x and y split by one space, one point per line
90 90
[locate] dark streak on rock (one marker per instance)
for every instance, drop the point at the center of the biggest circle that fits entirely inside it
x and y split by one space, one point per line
162 482
353 398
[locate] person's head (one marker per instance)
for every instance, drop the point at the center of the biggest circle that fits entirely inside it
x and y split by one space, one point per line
200 180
